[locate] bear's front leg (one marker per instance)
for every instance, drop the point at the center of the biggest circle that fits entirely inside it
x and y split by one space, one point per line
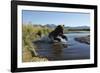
64 37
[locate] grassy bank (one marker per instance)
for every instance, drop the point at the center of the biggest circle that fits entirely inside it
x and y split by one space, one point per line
31 33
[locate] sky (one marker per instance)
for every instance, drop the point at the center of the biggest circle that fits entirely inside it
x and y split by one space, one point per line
46 17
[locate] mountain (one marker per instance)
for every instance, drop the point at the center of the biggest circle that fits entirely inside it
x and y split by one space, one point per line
51 25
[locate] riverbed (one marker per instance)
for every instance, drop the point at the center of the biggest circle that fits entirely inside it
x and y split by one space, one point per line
74 51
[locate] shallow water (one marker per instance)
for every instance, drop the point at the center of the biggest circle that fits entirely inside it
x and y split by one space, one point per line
75 49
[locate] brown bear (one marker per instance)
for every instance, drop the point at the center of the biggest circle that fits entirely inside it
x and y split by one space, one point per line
58 31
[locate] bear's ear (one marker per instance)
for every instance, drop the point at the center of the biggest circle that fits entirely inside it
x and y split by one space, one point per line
62 25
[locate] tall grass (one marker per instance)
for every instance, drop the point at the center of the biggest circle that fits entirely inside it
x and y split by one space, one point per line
29 34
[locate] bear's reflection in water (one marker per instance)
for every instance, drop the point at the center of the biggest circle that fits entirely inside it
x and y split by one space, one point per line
57 51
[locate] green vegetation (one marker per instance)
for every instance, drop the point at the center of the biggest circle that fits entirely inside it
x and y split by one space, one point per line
31 33
26 37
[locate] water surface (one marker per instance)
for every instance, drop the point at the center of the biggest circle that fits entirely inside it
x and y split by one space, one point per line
74 51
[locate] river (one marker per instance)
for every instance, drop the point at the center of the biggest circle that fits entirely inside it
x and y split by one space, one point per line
74 51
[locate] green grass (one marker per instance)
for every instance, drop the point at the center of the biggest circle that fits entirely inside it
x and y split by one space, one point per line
29 34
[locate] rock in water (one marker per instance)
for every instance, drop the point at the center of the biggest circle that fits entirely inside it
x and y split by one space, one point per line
85 39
